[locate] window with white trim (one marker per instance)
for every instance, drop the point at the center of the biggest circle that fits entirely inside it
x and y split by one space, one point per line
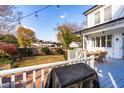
109 40
106 41
97 18
103 41
93 41
97 41
107 13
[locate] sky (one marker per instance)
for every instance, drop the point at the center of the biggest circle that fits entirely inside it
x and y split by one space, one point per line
48 19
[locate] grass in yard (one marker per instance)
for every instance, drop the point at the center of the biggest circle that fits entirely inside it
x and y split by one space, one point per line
36 60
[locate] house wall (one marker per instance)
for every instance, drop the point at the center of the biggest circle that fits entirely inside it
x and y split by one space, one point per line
117 12
116 50
116 30
120 44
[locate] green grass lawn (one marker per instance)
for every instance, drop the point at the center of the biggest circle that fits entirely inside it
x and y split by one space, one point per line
36 60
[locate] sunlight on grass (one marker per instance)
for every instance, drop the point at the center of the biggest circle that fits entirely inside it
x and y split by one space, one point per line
41 60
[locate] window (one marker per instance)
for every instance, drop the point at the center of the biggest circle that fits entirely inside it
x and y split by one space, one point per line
122 34
97 41
97 17
109 40
103 41
107 14
93 41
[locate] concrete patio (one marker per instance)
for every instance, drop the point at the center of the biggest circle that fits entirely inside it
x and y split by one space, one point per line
111 74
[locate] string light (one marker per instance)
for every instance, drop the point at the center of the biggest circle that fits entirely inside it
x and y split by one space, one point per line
58 6
19 22
36 15
4 27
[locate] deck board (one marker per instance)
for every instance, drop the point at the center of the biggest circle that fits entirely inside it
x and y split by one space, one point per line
116 68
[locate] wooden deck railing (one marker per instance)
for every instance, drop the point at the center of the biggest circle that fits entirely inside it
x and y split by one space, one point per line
24 70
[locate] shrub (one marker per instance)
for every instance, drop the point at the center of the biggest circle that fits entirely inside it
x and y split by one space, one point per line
14 64
29 52
7 49
5 61
24 52
9 60
60 51
46 51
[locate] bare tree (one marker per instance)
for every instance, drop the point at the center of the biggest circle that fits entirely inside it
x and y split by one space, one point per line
8 15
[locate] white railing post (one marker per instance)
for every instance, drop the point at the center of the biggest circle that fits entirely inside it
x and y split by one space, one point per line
50 69
24 79
12 81
34 79
85 55
92 61
42 78
0 81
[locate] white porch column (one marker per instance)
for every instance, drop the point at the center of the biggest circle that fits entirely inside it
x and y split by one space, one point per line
105 41
83 42
100 42
95 41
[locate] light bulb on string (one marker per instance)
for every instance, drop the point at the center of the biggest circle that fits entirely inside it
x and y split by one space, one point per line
36 15
35 12
19 23
4 28
58 6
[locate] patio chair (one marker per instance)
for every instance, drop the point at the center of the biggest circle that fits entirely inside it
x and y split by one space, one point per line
101 57
84 52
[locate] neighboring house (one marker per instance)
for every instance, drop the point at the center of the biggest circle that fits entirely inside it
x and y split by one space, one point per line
47 44
36 44
56 45
105 30
51 44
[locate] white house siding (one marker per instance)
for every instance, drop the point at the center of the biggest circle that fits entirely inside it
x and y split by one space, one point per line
117 12
116 50
115 29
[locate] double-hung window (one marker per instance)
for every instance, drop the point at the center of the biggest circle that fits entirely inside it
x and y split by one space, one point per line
109 40
103 41
97 41
93 41
97 18
107 13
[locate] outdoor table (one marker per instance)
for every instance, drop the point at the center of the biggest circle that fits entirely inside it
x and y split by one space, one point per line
92 53
73 76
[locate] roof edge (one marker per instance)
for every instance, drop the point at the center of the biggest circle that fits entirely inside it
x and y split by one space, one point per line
118 19
91 9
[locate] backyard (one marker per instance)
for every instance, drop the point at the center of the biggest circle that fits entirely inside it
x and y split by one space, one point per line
27 59
36 60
